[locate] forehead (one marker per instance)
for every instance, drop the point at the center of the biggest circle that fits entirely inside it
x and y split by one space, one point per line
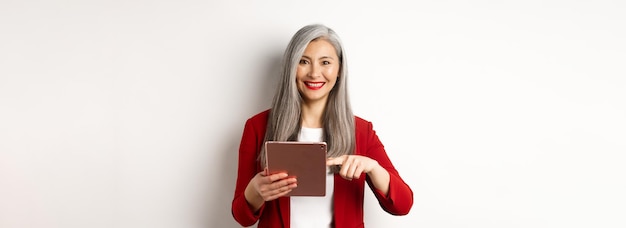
320 48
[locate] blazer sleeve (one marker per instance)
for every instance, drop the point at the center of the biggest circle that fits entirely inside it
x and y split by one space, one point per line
399 199
242 212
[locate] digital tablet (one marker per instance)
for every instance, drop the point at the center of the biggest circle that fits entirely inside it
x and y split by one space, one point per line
304 160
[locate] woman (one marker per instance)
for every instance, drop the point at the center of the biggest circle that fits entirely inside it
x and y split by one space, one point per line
311 104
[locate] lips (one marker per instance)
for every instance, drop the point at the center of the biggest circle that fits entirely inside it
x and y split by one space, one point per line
314 85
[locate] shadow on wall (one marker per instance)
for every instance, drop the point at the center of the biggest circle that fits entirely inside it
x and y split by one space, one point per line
223 189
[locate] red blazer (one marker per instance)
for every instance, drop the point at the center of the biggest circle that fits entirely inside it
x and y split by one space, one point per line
348 195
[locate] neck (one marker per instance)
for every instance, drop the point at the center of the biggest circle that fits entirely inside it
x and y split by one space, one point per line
313 114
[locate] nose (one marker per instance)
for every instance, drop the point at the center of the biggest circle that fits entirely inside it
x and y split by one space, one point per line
315 71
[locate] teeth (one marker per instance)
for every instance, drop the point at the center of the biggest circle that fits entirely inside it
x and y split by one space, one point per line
318 84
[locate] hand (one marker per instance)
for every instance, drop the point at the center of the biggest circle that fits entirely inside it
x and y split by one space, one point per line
352 166
270 187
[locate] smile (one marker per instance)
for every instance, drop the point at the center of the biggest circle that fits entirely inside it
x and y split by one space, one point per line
314 85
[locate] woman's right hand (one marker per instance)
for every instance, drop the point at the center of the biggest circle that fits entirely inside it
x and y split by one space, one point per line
264 187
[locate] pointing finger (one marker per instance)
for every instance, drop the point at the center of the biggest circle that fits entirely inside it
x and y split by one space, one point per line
336 161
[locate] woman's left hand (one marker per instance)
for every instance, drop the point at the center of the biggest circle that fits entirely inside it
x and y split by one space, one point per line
352 166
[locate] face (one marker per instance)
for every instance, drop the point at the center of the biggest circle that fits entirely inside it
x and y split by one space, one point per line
317 71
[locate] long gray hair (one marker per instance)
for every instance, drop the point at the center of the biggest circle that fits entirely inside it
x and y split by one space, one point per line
285 114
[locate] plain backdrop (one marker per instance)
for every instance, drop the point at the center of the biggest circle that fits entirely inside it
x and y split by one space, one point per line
129 113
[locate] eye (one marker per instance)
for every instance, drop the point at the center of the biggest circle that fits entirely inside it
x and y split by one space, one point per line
325 62
304 61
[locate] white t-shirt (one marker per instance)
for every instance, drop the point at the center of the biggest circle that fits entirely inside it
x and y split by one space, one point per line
313 211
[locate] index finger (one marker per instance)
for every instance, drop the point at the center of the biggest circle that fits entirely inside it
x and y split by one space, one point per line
336 160
277 176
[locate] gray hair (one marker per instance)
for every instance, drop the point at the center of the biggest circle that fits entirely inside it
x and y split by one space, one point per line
285 114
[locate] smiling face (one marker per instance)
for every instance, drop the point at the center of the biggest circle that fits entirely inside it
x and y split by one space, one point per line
317 71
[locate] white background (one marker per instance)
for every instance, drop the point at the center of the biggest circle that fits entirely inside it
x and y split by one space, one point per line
129 113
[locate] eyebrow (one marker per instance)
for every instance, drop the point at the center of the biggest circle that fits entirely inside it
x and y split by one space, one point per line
323 57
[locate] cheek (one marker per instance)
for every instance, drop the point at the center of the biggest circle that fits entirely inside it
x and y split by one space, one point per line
300 73
332 73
